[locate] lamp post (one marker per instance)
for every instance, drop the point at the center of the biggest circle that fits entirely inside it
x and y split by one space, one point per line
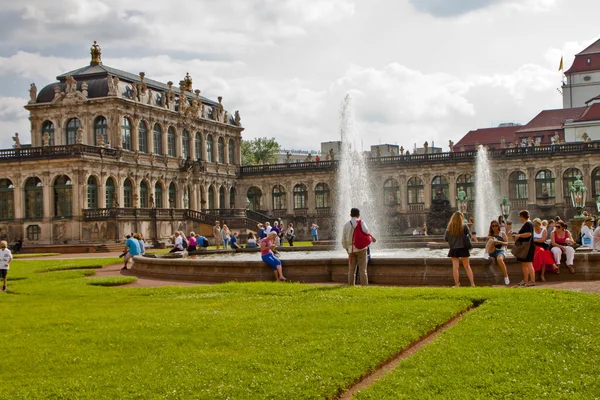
578 196
505 207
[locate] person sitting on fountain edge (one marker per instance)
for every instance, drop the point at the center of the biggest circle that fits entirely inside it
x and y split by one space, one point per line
356 241
267 247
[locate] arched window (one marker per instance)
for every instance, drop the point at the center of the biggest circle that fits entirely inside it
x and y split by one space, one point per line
63 197
544 185
126 133
100 128
172 195
517 186
209 148
92 192
231 150
212 197
569 177
157 137
279 198
7 200
143 137
391 192
439 188
143 194
222 197
221 145
232 195
416 191
72 127
467 183
198 145
48 127
112 200
171 142
185 144
127 193
158 195
322 195
596 183
300 196
34 201
254 196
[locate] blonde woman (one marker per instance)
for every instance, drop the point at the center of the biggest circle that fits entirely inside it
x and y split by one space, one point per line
225 235
457 235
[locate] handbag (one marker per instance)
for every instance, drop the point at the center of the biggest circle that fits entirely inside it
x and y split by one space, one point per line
468 243
520 249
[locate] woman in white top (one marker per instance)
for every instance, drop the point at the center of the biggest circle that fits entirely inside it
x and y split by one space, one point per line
225 235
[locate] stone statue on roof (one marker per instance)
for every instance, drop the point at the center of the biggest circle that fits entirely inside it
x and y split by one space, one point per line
111 85
451 145
32 93
79 137
502 142
46 139
17 141
238 119
331 154
71 84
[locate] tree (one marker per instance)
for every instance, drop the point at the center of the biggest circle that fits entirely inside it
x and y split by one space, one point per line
259 151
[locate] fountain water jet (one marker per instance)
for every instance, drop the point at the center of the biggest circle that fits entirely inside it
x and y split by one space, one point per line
487 201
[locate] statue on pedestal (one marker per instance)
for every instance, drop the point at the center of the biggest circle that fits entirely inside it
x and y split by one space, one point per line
32 93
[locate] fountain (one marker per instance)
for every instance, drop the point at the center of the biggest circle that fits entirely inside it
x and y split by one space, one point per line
354 187
487 201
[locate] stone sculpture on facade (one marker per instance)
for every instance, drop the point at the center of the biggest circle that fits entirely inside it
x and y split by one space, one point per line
100 140
17 141
451 145
183 101
425 146
288 157
462 200
502 142
331 154
237 119
170 97
401 150
71 85
586 137
218 110
46 139
32 93
111 85
79 137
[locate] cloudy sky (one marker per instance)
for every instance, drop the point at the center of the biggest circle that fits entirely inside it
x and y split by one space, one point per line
416 69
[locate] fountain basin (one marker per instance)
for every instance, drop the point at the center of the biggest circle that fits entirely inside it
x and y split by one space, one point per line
384 269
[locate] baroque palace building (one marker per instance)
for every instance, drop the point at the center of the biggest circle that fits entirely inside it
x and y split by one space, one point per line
114 152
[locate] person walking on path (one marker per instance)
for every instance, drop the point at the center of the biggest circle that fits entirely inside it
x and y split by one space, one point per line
526 235
5 259
314 232
217 234
458 237
355 240
132 246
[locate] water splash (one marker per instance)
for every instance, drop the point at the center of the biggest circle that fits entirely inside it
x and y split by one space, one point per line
354 185
487 201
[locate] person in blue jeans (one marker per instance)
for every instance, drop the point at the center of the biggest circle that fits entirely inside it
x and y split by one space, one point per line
314 232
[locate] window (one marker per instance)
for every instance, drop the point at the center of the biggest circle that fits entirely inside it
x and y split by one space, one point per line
211 197
34 202
100 128
209 148
7 202
33 232
171 142
92 192
391 192
279 199
112 200
231 150
157 137
569 177
322 195
127 194
158 195
185 144
72 127
63 197
198 145
232 196
143 194
300 196
544 185
48 127
439 188
222 197
172 195
518 186
126 134
221 145
416 191
254 195
596 183
143 137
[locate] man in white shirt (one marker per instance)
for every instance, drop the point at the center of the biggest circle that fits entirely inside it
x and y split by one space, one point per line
5 259
356 254
268 227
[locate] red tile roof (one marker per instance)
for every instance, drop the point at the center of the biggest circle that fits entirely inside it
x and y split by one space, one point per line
587 60
591 49
592 113
488 136
549 120
590 100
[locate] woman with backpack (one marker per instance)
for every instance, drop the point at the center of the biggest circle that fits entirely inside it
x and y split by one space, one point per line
458 237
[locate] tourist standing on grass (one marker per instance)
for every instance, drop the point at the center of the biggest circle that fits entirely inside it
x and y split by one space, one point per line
290 234
251 241
132 247
561 241
542 257
458 237
225 236
267 245
192 242
217 234
525 235
314 232
5 259
356 240
495 247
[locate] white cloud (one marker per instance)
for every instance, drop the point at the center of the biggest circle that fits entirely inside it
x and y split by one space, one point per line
13 118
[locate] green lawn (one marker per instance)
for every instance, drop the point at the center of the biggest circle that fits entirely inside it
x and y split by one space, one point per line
65 338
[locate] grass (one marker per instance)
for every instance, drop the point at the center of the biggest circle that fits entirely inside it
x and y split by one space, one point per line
111 280
63 338
33 255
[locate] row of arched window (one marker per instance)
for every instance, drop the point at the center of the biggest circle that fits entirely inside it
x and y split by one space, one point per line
214 151
299 197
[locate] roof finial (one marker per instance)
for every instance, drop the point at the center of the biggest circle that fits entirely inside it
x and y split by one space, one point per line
96 53
187 81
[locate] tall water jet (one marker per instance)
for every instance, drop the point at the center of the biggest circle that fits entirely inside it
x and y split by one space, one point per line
354 186
487 201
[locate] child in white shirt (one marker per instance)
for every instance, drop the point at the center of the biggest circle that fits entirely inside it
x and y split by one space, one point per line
5 259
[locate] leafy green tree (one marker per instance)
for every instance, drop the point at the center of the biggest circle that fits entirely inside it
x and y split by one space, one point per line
259 151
